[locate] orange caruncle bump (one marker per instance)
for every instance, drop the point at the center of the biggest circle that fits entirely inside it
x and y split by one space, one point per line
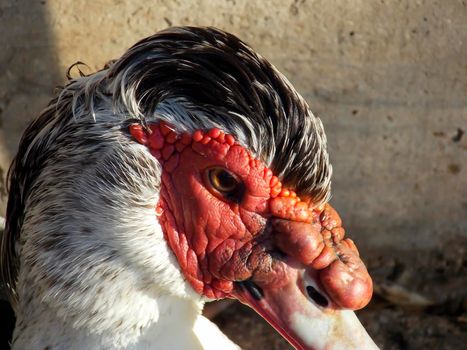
301 211
267 173
198 136
229 139
286 205
171 137
164 128
214 133
276 189
221 138
156 139
205 140
274 181
136 130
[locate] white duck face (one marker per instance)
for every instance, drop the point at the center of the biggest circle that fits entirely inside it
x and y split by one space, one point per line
130 206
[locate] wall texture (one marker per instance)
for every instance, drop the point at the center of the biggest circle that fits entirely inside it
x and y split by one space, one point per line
388 79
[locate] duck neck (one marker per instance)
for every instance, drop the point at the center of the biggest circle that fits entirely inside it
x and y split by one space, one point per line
168 322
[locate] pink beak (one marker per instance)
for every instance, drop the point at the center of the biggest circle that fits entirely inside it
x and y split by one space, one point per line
305 316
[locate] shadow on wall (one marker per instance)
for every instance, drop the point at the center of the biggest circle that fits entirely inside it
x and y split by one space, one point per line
29 70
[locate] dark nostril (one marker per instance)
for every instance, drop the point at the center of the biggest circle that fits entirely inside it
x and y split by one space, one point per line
316 296
278 254
253 289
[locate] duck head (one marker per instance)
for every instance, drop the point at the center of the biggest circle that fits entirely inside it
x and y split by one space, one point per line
192 135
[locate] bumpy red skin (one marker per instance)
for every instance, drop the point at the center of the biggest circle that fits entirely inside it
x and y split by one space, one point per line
218 242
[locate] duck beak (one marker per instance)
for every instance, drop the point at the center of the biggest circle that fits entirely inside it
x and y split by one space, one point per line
305 315
308 293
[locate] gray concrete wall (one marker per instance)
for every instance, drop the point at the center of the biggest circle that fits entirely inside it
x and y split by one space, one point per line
388 79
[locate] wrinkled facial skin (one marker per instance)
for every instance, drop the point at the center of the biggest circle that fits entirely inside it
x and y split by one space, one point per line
266 235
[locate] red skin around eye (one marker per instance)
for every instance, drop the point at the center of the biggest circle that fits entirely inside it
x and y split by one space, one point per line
217 242
208 222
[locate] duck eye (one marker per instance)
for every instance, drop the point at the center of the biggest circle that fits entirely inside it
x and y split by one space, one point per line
222 180
224 183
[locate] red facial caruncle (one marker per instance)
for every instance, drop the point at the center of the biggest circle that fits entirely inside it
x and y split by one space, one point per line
228 219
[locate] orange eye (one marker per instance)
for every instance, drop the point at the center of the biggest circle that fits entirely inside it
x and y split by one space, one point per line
224 183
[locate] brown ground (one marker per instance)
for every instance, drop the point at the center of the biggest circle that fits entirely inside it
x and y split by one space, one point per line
420 303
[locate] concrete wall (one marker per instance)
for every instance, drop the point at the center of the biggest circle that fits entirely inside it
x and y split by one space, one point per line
388 79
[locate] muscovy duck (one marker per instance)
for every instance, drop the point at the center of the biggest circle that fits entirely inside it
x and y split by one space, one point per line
187 170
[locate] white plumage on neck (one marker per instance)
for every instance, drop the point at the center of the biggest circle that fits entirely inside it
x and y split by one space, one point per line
174 324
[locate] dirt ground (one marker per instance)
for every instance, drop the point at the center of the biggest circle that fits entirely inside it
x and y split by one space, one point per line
420 302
